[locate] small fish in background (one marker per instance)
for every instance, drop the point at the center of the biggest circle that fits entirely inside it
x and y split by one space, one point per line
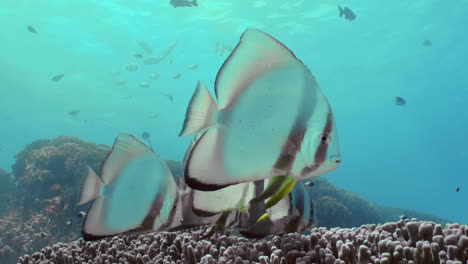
81 214
457 189
147 137
168 96
403 217
221 48
176 76
144 85
182 3
153 76
192 66
120 83
144 46
32 30
74 112
348 13
426 43
131 67
400 101
57 78
153 60
68 223
138 55
114 73
153 116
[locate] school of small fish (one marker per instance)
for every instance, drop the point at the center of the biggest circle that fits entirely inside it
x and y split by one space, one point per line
245 164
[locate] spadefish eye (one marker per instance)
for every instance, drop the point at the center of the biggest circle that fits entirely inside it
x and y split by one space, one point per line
324 139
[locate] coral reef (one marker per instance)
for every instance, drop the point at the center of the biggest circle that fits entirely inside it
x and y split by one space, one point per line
40 209
7 192
335 207
398 242
50 172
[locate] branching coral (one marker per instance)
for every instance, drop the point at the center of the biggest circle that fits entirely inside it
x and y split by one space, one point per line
400 242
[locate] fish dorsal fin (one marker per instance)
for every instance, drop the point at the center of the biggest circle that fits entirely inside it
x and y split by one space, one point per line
126 147
199 111
255 54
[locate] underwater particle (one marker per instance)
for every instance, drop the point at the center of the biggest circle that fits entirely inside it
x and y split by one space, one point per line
74 112
32 30
154 76
145 135
68 223
81 214
193 66
131 67
57 78
400 101
55 187
176 76
168 95
144 46
144 85
182 3
309 184
457 189
138 55
348 13
43 234
427 43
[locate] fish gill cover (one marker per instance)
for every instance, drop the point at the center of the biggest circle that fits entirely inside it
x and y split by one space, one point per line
70 68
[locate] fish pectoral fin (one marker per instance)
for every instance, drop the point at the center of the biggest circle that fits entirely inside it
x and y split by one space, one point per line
90 187
199 111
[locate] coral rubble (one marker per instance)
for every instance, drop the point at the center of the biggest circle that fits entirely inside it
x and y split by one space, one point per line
406 241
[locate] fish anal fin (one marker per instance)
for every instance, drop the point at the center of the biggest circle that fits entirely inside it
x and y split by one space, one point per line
204 171
90 187
199 111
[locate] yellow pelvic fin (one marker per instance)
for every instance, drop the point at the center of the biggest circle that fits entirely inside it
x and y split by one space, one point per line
286 186
273 185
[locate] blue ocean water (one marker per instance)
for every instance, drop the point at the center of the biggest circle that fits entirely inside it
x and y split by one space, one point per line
410 157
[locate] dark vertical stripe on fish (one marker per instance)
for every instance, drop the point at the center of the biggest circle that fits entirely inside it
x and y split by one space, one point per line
322 148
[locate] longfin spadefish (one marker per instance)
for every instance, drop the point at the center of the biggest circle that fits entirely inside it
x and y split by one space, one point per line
200 111
138 177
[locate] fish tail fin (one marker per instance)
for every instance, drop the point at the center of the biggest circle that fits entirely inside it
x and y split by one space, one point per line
341 11
199 111
90 187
